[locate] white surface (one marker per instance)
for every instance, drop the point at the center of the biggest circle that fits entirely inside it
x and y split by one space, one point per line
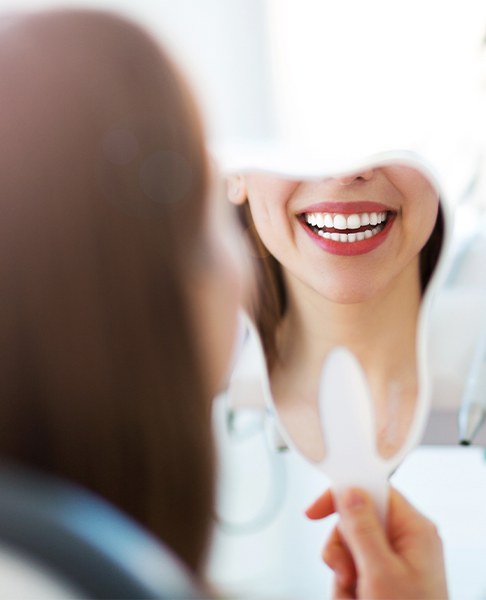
448 484
282 559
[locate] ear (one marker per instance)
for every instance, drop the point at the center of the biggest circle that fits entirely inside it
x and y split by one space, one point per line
236 189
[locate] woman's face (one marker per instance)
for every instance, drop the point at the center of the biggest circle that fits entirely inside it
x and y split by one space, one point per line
348 237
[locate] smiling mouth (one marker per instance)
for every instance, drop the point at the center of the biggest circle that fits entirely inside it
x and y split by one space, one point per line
347 228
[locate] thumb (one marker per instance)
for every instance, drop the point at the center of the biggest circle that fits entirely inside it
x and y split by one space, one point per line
362 530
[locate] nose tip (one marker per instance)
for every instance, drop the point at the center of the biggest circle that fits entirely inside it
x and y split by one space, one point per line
349 179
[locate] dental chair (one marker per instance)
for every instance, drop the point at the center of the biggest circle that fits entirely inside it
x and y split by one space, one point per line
59 541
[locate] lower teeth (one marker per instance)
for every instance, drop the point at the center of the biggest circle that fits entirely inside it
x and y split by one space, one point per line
350 237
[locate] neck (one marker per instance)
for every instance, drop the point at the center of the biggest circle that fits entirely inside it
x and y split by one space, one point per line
380 331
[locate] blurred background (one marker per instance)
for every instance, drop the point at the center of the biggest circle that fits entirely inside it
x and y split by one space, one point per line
345 71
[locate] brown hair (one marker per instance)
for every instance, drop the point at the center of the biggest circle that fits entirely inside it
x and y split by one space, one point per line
102 164
268 303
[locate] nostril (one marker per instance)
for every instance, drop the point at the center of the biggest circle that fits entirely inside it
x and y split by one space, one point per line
366 175
355 177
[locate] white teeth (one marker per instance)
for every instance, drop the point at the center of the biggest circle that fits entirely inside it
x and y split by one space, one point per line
328 220
354 222
349 237
340 222
324 221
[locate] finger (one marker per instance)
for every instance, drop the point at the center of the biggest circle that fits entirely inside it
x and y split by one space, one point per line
403 517
337 557
322 507
362 530
341 592
408 529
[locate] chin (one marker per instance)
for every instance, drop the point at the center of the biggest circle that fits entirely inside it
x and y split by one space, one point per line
351 294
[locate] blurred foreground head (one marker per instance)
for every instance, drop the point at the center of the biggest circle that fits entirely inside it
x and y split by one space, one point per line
104 182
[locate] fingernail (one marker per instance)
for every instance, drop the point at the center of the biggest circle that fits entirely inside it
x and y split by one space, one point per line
354 499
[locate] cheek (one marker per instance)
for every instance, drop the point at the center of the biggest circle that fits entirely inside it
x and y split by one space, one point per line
268 198
420 203
424 218
273 227
261 215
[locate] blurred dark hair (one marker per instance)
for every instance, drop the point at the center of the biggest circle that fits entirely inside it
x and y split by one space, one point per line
102 166
430 253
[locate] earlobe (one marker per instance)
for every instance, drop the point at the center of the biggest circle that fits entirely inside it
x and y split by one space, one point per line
236 189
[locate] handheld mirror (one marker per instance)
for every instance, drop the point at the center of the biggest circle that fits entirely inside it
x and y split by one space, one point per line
347 265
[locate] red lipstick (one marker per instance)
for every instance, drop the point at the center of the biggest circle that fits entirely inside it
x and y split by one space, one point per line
344 235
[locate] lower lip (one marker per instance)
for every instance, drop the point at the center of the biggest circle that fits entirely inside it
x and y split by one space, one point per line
351 248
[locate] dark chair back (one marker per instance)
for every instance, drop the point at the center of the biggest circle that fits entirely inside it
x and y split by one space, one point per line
85 541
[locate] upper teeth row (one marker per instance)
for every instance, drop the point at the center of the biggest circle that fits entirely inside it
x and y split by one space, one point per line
338 221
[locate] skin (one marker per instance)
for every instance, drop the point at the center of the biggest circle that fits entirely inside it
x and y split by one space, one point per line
345 300
276 203
403 561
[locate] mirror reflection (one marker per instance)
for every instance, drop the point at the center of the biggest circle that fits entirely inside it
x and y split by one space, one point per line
341 261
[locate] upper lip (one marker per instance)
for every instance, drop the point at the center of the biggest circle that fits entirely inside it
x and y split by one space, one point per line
347 208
